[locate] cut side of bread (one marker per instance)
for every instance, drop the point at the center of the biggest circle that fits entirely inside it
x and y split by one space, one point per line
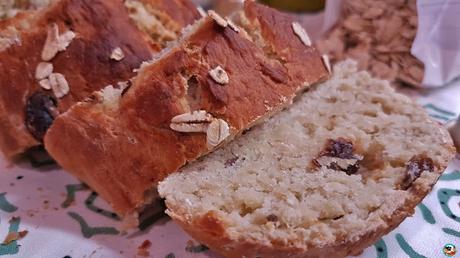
205 89
326 178
55 57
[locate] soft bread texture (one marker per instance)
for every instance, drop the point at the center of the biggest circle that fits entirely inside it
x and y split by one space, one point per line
124 148
100 27
326 178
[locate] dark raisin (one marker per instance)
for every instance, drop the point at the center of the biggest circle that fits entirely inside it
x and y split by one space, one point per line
342 149
339 148
414 168
40 113
272 218
350 170
230 162
338 217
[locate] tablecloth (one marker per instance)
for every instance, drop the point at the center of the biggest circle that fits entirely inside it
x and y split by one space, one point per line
65 219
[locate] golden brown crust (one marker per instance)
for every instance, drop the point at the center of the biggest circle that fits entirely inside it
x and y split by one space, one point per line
100 27
123 153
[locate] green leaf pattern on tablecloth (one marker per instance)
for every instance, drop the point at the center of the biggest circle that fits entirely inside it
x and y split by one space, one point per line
70 197
11 248
439 113
407 248
444 196
426 213
451 232
455 175
381 249
5 205
86 230
89 231
90 205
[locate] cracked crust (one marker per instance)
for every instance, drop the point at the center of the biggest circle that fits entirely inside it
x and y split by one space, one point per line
100 27
138 132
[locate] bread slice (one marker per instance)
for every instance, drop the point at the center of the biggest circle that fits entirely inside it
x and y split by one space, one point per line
102 47
203 91
326 178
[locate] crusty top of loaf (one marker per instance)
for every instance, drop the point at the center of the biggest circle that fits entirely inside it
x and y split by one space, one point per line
100 27
137 128
327 177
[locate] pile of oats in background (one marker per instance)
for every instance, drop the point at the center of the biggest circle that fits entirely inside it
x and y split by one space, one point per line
379 35
9 8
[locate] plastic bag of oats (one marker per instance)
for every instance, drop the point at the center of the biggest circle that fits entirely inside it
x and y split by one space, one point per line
407 42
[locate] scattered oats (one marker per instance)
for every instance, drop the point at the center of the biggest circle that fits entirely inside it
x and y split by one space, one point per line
216 17
55 43
111 96
192 122
201 11
373 13
124 85
51 47
65 40
219 75
43 70
59 85
45 84
233 26
189 128
117 54
301 33
379 36
326 62
196 116
217 131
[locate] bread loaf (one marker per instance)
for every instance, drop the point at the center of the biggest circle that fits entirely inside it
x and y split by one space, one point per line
55 57
326 178
215 82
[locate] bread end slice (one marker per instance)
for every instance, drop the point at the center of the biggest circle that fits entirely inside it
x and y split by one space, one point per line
326 178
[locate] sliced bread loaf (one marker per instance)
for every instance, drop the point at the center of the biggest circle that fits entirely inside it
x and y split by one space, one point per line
55 57
212 84
326 178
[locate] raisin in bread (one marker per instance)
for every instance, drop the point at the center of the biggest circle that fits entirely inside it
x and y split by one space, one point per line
326 178
55 57
215 82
